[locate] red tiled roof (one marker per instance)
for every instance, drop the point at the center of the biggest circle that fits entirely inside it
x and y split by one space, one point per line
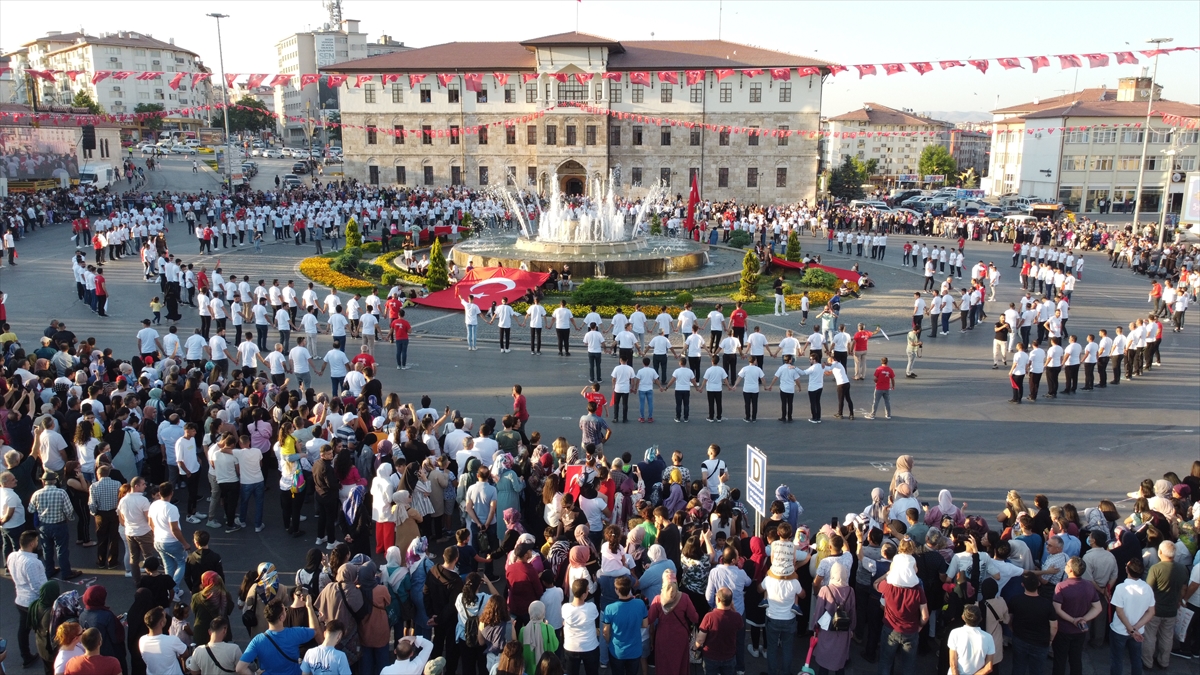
482 56
571 38
685 54
1094 94
1115 109
879 114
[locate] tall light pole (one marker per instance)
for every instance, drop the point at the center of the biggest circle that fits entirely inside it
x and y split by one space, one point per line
1137 197
225 104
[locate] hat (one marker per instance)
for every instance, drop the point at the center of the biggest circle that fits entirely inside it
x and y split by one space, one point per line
50 476
378 422
122 378
852 519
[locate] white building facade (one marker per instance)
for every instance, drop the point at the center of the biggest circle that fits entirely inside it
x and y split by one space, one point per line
571 147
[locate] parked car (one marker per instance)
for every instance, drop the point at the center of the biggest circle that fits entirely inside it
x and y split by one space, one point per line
192 143
291 180
250 169
300 167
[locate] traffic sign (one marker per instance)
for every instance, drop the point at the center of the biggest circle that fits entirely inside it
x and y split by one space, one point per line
756 479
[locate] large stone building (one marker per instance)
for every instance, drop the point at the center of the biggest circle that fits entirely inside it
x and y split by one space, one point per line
1093 165
302 53
683 131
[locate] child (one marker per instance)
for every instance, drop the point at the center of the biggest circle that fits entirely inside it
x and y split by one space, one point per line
783 560
156 307
161 586
552 598
468 557
200 561
180 626
614 562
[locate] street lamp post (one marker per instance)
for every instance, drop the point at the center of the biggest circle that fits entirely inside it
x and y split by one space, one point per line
1170 154
1137 197
224 103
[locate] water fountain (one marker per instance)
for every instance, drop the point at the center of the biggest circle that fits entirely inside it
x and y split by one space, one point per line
589 234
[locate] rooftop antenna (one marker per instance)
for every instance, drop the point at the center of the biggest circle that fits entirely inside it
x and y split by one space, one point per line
720 15
334 7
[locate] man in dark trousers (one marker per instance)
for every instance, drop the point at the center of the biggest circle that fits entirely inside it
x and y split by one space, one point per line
443 585
327 486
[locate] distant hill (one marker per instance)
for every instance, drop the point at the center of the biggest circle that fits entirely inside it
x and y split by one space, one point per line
960 116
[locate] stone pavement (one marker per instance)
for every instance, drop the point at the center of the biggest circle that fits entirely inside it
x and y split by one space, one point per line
953 418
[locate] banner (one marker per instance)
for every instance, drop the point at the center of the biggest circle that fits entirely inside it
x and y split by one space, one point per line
486 285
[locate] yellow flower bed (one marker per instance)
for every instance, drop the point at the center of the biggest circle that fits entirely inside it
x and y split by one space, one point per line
816 300
317 268
385 261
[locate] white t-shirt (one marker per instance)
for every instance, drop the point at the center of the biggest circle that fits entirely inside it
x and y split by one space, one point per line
249 462
146 340
579 627
276 361
686 319
338 361
9 499
594 340
1135 597
756 342
193 349
299 357
337 325
788 375
562 318
646 378
972 646
537 316
161 514
283 320
594 510
622 378
683 378
185 452
752 377
247 354
841 341
815 342
714 378
309 323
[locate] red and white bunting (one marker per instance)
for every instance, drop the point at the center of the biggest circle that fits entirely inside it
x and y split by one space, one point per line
671 76
360 80
722 73
174 83
501 78
781 74
414 80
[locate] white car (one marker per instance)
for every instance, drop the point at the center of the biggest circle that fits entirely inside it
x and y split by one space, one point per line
286 152
300 154
147 147
272 153
180 149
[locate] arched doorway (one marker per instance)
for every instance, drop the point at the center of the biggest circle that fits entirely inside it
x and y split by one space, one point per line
572 178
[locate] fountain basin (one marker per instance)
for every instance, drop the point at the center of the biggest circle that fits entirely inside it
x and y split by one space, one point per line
638 257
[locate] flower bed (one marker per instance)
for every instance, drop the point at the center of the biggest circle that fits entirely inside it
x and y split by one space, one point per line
393 274
317 268
816 300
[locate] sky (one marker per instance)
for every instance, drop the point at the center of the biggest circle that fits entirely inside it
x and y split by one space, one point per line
841 32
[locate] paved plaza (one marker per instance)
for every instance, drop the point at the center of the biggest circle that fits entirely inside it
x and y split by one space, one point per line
954 418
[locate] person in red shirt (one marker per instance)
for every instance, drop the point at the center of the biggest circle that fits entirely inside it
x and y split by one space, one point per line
592 393
399 334
905 612
859 349
718 634
737 321
524 585
101 291
519 409
392 307
92 663
364 358
885 382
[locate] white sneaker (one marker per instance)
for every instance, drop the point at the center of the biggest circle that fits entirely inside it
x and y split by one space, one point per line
320 541
260 528
330 546
128 574
195 520
303 518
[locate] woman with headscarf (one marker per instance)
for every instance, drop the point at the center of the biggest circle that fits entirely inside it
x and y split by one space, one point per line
833 647
382 486
508 491
945 509
40 616
995 616
577 568
652 579
261 592
357 523
419 565
903 476
96 614
375 634
583 538
512 529
340 600
559 554
143 601
537 637
675 500
406 518
1162 500
635 545
876 512
671 618
902 502
399 583
211 602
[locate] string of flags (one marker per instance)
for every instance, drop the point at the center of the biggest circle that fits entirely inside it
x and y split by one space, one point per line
453 131
474 81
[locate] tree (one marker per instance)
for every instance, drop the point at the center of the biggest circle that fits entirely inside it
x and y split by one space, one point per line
845 183
241 119
154 122
969 179
438 276
333 126
793 247
84 100
748 287
353 234
936 161
865 169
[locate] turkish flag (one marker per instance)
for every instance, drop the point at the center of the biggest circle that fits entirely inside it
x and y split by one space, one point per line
360 80
148 75
865 70
1097 60
583 77
947 65
501 78
122 74
693 77
561 77
1009 63
389 78
808 70
752 72
671 76
834 69
1152 52
473 82
174 83
414 80
1037 62
309 78
101 75
281 80
486 285
230 78
981 64
527 77
1126 58
336 81
255 81
922 67
693 199
197 78
615 77
781 73
72 74
893 68
1069 61
639 77
722 73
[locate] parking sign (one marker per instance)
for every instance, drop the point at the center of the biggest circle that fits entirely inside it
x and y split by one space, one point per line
756 479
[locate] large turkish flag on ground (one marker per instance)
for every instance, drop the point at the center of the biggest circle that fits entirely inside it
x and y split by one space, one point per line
486 285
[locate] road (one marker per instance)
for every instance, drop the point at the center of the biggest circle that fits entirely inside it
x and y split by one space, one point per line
954 418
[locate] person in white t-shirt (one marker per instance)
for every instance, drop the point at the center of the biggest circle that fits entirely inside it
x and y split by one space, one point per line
786 375
337 363
502 316
471 320
1133 607
158 649
302 363
646 377
715 381
622 381
842 380
536 320
594 341
971 648
751 378
683 380
169 542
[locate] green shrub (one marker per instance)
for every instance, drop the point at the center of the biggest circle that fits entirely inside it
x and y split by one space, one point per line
389 278
601 292
793 247
818 278
740 239
683 298
438 274
369 269
353 234
655 224
748 284
372 247
787 289
346 262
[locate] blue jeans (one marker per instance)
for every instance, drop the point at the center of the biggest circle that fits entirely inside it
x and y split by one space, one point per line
374 659
337 385
56 545
830 247
1124 647
719 667
472 329
401 353
256 490
173 558
781 636
1030 659
906 644
646 404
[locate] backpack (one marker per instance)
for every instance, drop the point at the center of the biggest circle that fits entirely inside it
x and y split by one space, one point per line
840 622
399 599
471 634
362 612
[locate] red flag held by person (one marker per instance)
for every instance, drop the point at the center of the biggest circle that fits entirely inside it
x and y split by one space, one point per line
693 200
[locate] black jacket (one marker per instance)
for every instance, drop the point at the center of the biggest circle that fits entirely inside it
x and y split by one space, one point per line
442 588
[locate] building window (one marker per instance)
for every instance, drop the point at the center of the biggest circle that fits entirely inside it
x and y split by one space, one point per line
1128 162
723 177
752 137
454 134
599 92
723 137
1185 164
531 134
372 134
401 177
456 175
614 92
428 170
1189 137
481 95
664 135
665 93
785 92
590 135
483 175
510 176
1077 137
664 175
368 93
696 94
1131 136
756 93
1160 136
510 93
639 94
727 92
694 137
637 135
551 134
693 175
398 134
571 91
1070 197
752 177
614 135
531 175
426 135
635 176
783 134
781 177
1154 163
1101 163
531 92
1104 136
373 175
547 91
1074 162
453 95
571 136
483 135
510 135
426 95
397 94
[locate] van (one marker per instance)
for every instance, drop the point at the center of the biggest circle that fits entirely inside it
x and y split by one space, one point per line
97 175
192 143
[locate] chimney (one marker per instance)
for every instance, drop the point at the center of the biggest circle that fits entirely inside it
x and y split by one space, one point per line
53 33
171 40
